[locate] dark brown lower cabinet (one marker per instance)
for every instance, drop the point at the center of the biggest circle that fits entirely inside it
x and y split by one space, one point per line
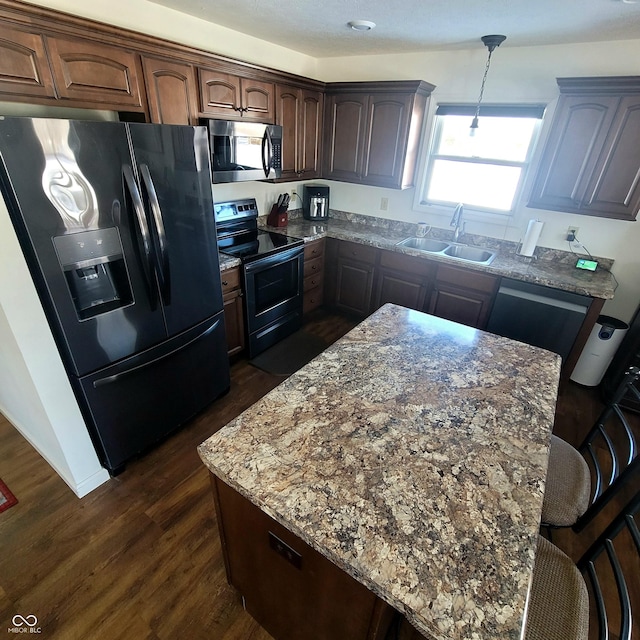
351 269
403 280
313 275
292 591
463 296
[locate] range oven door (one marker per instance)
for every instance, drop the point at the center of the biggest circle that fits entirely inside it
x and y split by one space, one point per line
273 297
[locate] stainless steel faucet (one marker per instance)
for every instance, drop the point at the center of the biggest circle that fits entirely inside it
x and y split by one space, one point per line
457 222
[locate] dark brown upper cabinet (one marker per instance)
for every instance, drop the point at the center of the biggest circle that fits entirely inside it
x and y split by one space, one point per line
97 74
591 162
24 67
299 111
171 91
228 96
372 131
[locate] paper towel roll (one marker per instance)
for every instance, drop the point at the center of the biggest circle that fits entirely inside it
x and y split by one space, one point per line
531 237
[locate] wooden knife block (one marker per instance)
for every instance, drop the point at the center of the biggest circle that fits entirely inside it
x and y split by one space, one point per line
277 218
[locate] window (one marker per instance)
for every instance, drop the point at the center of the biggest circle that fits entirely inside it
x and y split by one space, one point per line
484 171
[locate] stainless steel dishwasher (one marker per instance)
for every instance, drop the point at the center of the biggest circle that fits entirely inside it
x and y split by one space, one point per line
538 315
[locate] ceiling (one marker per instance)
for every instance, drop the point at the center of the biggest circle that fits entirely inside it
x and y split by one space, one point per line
319 27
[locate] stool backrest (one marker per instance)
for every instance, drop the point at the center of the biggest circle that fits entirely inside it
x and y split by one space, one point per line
610 449
615 558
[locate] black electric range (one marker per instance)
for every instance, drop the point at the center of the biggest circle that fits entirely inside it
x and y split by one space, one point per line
272 273
239 236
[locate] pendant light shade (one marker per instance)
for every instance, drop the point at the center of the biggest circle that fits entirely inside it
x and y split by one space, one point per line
491 42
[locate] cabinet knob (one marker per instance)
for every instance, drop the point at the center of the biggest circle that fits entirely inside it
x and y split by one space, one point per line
225 283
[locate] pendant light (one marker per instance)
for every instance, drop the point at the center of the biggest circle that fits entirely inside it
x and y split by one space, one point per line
491 42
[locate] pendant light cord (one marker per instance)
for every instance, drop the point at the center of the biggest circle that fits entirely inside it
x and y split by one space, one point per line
484 79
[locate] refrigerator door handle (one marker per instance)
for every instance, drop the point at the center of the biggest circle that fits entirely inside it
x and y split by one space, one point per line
147 262
100 382
156 212
267 145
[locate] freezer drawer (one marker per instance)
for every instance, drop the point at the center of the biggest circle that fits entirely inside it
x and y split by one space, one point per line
538 315
132 405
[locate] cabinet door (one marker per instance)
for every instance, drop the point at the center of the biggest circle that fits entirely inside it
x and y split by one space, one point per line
257 100
403 280
288 116
463 296
24 68
171 91
309 139
387 134
460 305
614 190
345 136
576 138
97 73
354 287
299 113
220 94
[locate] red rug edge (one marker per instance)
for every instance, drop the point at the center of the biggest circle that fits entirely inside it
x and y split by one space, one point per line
11 499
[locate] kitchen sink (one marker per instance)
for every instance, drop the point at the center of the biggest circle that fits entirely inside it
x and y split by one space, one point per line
464 252
424 244
471 254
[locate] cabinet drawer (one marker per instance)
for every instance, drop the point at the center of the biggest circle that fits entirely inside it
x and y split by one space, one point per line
313 281
312 300
467 279
314 266
314 249
408 264
360 252
230 280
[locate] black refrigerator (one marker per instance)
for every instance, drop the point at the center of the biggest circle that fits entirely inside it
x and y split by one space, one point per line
116 224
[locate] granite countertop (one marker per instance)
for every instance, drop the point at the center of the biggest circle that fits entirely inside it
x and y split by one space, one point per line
553 269
228 262
421 478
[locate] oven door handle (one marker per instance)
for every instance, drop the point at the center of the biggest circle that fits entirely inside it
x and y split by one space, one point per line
276 258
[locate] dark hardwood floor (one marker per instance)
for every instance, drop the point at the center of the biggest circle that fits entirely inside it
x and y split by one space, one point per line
140 557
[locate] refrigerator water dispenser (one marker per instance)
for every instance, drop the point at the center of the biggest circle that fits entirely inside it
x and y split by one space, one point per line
95 270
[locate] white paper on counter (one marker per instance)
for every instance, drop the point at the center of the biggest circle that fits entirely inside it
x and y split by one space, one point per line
531 237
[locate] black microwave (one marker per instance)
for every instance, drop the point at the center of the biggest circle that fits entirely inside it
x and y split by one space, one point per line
244 150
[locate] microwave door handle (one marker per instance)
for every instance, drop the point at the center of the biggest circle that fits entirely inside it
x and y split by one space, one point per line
267 145
147 261
156 212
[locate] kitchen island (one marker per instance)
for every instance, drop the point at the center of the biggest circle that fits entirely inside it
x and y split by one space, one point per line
412 455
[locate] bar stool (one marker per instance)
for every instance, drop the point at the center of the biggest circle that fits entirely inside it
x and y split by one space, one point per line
581 482
558 607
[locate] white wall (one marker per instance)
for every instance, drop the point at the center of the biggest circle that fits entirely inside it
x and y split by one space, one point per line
35 394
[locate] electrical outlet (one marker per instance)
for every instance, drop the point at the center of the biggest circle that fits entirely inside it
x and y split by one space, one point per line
384 204
293 193
572 233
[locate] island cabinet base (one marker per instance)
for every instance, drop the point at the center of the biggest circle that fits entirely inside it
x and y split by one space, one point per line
291 590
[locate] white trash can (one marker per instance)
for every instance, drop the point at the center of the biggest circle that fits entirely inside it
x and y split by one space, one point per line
605 338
